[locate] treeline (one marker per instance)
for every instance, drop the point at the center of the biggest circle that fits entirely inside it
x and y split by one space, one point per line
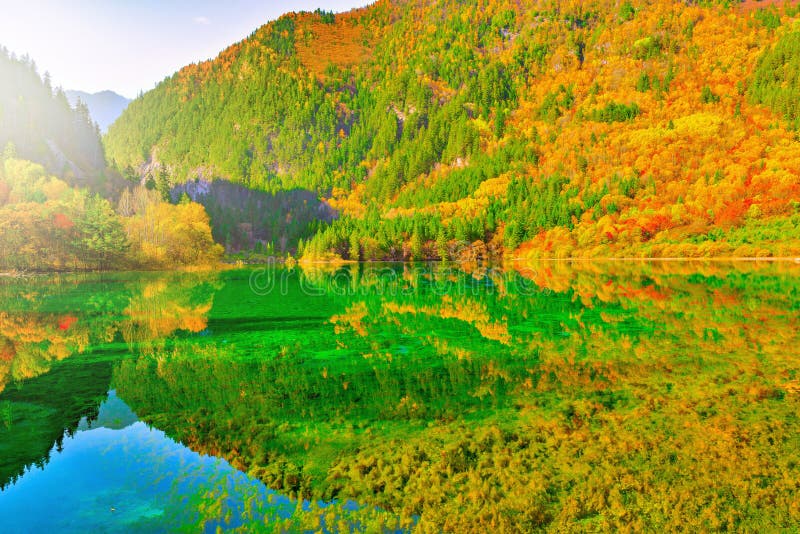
776 80
500 224
165 235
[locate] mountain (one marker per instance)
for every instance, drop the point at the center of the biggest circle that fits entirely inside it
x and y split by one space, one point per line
442 128
104 107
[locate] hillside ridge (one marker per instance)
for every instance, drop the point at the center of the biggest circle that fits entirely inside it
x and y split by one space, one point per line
525 129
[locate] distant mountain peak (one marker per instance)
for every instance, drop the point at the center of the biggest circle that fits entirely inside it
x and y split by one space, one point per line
104 106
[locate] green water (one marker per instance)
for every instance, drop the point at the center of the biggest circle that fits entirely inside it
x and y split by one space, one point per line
580 397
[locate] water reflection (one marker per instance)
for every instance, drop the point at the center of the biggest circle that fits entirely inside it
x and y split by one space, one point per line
116 474
41 413
604 395
44 320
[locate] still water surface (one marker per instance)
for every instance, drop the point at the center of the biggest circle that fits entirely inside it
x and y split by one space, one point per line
580 395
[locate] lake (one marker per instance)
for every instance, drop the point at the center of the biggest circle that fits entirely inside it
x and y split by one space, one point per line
584 396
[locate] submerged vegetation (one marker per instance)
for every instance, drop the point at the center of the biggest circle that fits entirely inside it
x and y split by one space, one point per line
577 397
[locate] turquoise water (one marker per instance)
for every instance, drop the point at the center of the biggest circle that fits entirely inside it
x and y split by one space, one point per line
117 474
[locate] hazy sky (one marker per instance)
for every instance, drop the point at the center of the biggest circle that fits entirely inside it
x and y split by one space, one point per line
130 45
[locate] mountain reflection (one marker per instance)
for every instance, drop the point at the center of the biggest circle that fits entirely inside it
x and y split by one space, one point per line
118 474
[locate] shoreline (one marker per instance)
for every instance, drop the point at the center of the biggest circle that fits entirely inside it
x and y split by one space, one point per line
787 259
335 263
657 259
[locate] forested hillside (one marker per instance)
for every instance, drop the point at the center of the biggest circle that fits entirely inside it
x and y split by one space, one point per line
536 128
247 220
38 121
62 209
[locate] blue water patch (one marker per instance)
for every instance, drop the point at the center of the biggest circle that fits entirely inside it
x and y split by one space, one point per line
116 474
